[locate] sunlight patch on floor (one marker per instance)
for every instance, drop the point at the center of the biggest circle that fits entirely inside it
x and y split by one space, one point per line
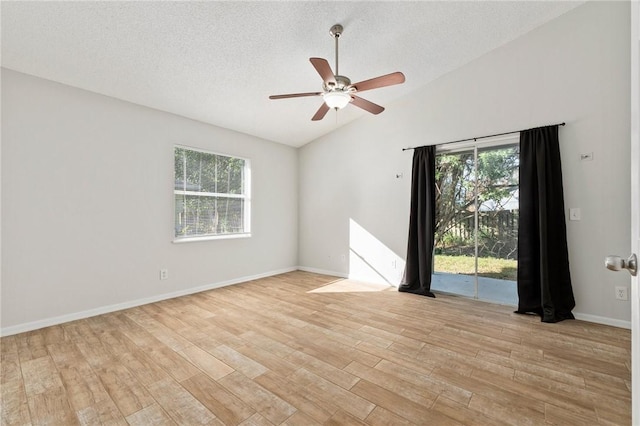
351 286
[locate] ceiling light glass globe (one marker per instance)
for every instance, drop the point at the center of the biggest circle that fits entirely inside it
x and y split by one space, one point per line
336 99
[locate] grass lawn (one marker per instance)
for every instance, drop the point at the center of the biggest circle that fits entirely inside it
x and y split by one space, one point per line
490 267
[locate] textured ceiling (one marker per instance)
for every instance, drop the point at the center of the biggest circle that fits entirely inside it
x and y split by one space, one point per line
218 62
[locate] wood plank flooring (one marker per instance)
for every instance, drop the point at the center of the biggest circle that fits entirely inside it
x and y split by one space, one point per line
307 349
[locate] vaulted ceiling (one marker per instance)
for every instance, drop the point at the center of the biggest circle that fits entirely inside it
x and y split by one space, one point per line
218 62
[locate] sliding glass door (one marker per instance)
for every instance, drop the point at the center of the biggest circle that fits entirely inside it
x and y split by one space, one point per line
476 238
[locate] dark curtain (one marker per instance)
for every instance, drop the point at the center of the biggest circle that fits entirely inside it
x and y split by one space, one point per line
422 223
544 282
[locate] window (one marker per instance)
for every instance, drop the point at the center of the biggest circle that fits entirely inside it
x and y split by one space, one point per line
211 195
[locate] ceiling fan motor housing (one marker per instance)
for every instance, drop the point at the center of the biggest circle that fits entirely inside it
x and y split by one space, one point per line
342 84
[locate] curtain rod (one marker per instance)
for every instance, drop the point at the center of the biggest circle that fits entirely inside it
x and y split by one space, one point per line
484 137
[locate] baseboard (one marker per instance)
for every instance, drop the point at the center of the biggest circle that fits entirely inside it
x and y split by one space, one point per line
48 322
323 272
603 320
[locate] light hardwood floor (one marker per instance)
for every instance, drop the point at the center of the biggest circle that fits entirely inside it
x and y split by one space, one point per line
307 349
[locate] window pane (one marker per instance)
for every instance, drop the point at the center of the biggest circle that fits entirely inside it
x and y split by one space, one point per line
236 181
498 204
198 215
207 166
193 170
179 169
223 174
230 211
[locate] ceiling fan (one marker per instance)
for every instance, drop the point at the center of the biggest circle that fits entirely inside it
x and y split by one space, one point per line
338 91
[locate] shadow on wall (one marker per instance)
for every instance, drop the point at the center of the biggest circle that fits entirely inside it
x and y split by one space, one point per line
370 260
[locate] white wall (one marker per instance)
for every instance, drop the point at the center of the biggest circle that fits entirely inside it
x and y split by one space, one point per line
87 205
573 69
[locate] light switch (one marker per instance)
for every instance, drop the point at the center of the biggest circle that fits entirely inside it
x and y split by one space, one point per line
574 214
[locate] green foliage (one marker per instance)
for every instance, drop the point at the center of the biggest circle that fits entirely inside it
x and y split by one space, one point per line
457 180
490 267
205 172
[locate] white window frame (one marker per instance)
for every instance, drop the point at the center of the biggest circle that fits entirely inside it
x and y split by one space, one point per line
246 196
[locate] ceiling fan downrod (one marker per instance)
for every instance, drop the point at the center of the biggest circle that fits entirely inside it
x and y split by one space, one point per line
336 32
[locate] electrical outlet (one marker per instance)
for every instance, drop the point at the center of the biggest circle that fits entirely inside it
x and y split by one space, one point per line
621 293
164 274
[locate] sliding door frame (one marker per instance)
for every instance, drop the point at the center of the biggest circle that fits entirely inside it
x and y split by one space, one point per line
466 146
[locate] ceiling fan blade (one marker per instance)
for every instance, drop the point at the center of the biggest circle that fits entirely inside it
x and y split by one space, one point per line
295 95
366 105
382 81
322 111
324 69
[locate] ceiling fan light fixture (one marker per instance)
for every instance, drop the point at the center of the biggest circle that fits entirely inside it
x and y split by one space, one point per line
336 99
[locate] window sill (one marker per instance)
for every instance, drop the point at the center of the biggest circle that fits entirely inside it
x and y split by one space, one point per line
210 238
